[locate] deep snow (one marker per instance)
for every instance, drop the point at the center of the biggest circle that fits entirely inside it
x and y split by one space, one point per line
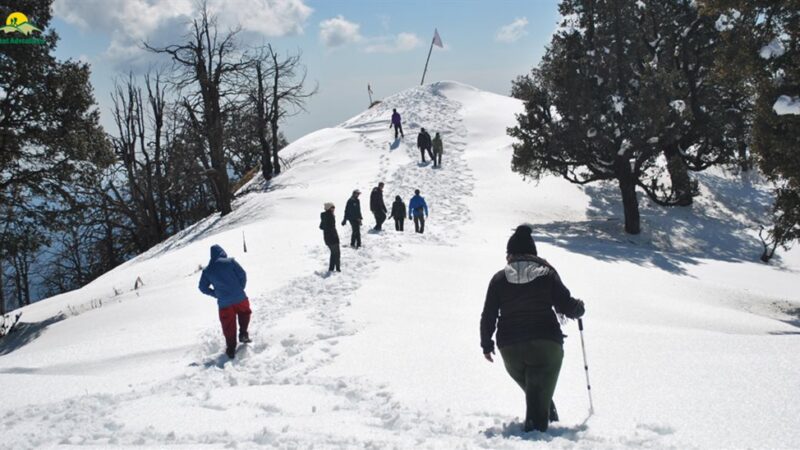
691 342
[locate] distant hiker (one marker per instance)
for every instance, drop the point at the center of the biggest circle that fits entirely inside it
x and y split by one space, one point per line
224 279
327 223
352 214
437 150
424 143
523 296
377 206
418 210
397 124
398 213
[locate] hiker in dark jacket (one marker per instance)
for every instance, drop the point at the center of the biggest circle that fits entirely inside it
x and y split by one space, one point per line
397 124
520 303
377 206
424 143
352 214
224 279
418 211
398 213
438 149
327 223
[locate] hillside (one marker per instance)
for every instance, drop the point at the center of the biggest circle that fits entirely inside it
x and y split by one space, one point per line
691 341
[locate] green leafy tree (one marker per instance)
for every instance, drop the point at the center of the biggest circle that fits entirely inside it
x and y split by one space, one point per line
761 39
624 93
50 138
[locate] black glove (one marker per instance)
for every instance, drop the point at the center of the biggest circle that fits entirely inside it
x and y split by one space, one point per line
579 311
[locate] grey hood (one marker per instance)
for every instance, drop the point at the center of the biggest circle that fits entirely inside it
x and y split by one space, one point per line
521 272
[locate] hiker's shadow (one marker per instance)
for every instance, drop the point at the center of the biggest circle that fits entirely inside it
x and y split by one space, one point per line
394 145
514 429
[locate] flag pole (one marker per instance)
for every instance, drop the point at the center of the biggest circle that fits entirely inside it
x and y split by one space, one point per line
426 62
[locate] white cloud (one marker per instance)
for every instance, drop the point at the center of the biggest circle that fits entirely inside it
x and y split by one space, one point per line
403 42
513 31
272 18
129 22
338 31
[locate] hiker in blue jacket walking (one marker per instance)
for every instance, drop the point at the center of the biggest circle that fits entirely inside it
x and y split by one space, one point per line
418 211
225 280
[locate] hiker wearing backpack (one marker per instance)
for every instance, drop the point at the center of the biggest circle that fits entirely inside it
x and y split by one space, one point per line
377 206
520 303
418 211
424 144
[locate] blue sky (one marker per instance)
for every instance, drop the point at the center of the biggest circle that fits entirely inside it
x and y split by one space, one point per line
345 44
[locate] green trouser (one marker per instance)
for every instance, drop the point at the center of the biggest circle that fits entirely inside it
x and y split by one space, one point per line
535 365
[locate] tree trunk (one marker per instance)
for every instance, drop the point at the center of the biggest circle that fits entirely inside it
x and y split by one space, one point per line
218 163
630 204
261 113
744 162
276 162
679 174
2 291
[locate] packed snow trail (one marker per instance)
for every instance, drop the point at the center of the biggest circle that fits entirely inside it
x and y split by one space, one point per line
296 327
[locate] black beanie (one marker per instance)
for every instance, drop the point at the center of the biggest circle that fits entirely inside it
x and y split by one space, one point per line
521 242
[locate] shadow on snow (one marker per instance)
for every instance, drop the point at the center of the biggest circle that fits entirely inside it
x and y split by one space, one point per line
714 227
26 332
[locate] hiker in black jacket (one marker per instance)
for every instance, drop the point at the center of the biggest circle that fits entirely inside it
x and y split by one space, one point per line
520 302
377 206
424 143
398 213
352 214
327 224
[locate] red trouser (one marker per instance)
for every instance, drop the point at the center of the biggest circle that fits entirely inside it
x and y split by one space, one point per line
228 316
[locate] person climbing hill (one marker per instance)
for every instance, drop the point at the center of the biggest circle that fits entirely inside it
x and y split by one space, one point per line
397 124
418 211
331 236
352 214
520 304
424 144
377 206
438 149
224 279
398 213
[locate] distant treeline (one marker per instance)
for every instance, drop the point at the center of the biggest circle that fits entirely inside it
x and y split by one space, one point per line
77 200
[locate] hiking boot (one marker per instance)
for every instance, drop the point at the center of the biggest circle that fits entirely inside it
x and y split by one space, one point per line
231 352
528 426
244 337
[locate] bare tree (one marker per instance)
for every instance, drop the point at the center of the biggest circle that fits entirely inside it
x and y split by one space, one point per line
289 94
207 65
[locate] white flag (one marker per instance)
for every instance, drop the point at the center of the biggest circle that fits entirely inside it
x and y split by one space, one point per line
437 40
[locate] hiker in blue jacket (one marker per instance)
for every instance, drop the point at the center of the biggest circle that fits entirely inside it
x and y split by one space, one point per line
418 210
224 279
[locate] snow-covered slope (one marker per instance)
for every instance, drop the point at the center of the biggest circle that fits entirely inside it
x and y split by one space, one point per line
691 342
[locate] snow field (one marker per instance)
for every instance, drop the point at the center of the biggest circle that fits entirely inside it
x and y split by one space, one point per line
689 346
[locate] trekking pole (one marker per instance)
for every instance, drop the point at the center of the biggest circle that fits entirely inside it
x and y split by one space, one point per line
586 367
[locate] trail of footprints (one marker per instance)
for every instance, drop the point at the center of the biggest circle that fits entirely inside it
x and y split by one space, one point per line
323 300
